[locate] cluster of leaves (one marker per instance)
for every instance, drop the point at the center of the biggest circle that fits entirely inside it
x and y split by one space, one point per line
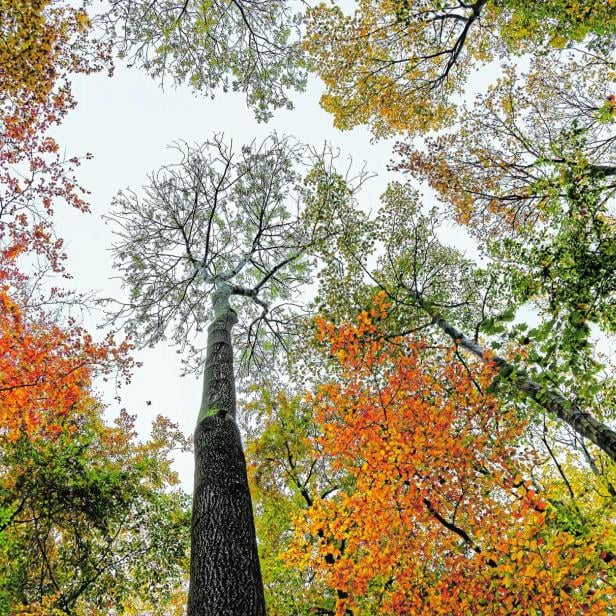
41 45
89 518
46 370
35 178
557 22
389 518
286 471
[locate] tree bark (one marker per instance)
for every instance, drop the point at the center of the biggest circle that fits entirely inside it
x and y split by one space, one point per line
225 577
583 423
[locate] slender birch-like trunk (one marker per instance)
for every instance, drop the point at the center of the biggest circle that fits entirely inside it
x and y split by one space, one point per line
583 423
225 577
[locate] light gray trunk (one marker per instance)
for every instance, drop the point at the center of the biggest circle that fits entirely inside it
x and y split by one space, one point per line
583 423
225 577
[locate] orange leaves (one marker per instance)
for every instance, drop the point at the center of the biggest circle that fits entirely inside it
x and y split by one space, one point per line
45 371
34 178
435 513
41 44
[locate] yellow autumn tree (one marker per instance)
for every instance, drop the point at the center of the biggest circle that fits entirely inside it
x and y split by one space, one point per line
398 65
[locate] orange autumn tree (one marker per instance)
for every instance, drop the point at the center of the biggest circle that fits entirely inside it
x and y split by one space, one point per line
46 370
442 509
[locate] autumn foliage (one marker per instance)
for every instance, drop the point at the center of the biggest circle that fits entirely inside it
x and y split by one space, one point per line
41 43
439 512
401 476
36 177
88 514
397 65
46 370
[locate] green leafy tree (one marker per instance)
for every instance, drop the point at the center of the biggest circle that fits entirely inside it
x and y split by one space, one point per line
248 46
90 518
530 172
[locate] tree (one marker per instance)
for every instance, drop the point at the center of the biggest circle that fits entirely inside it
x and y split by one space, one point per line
220 226
530 171
433 287
438 512
531 168
83 507
397 65
90 518
248 46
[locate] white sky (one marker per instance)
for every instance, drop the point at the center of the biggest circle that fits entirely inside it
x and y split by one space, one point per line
126 122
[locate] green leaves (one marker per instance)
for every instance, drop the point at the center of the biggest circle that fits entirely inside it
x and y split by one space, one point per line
213 45
90 518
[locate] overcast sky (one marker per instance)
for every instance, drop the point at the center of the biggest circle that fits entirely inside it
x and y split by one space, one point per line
127 122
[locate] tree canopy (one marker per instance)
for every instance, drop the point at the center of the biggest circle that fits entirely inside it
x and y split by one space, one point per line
246 46
426 432
398 65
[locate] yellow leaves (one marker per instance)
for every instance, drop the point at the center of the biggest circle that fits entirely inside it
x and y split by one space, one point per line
364 320
377 68
83 20
341 355
507 105
41 43
558 41
43 608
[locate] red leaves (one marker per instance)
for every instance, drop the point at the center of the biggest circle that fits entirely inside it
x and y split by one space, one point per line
45 371
34 179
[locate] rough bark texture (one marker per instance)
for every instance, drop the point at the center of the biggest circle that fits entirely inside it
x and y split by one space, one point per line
225 577
583 423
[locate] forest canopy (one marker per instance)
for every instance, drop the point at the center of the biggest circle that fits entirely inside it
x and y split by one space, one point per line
407 400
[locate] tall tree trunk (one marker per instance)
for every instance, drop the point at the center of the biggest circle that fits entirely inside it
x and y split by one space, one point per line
225 577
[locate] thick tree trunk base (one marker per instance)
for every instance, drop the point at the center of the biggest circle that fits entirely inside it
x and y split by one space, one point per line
225 577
